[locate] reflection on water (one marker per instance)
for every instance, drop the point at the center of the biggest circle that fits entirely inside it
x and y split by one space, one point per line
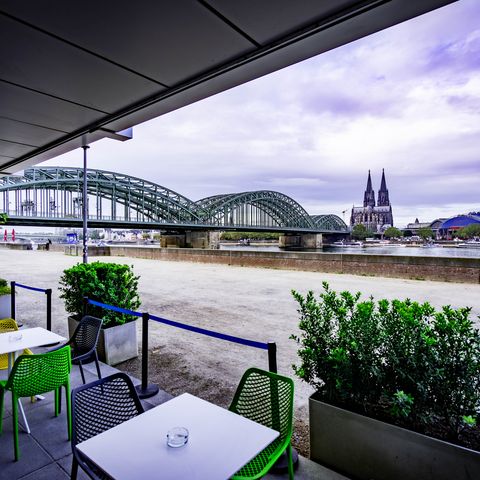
370 250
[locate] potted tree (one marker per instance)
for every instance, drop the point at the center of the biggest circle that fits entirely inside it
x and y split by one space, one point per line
5 300
397 387
112 284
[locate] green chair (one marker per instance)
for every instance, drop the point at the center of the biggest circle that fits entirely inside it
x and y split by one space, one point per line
34 375
266 398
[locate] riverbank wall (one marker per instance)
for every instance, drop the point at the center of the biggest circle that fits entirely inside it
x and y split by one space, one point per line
458 270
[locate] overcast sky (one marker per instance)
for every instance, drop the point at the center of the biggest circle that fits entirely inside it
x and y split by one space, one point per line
406 99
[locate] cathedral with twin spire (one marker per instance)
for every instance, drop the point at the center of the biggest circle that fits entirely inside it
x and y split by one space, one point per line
375 217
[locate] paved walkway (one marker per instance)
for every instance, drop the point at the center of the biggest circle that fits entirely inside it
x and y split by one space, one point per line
46 452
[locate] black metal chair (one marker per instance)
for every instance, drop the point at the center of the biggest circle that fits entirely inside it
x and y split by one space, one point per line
84 342
97 407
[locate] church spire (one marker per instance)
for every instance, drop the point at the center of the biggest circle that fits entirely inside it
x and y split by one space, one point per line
383 185
369 196
383 200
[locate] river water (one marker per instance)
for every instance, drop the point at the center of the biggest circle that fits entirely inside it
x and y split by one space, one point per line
435 251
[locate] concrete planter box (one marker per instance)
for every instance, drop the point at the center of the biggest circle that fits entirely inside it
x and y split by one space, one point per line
368 449
5 306
115 344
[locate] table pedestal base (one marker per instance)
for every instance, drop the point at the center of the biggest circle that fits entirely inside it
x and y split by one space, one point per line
147 392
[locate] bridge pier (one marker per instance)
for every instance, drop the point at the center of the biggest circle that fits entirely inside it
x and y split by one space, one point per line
172 240
305 240
196 239
190 239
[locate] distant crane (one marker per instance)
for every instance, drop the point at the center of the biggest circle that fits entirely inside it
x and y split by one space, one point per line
343 213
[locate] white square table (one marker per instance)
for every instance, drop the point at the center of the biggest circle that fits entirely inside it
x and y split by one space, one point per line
220 443
31 337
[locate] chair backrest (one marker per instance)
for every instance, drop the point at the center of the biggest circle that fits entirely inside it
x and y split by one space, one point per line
8 325
103 404
85 336
40 373
265 398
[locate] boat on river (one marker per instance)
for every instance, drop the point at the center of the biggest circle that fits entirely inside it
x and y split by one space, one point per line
343 243
468 245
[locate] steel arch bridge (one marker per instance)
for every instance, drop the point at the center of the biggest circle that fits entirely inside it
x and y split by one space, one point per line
262 208
54 196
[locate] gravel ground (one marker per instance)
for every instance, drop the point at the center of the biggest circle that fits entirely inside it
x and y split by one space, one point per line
252 303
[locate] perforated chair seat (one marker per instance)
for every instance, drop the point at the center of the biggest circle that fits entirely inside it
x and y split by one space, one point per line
266 398
34 375
84 343
261 461
97 407
79 352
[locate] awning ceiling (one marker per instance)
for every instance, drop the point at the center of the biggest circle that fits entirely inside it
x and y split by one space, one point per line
75 72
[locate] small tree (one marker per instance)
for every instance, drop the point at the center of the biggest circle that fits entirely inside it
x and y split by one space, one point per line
392 232
360 232
470 231
425 233
94 235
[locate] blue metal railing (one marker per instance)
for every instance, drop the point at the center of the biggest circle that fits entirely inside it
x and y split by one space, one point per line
146 390
46 291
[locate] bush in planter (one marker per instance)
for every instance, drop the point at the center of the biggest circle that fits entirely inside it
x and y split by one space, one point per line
110 283
399 361
4 287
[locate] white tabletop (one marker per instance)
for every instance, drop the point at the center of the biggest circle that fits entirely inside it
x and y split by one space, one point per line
31 337
220 443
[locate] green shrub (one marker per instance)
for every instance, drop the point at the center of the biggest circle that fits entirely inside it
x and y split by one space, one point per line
236 236
109 283
4 287
399 360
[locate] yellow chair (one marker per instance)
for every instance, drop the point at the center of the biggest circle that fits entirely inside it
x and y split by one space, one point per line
9 325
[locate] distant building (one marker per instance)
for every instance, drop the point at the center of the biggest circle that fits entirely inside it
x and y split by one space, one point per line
412 228
375 217
449 227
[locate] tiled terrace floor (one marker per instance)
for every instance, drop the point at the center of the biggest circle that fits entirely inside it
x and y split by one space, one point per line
46 453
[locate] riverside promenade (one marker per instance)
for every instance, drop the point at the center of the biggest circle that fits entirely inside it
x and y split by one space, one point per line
455 269
253 303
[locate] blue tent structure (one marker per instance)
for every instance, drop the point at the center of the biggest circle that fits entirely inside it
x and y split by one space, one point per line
454 224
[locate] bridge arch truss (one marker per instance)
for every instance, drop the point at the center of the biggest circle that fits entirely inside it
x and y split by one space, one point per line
262 208
56 194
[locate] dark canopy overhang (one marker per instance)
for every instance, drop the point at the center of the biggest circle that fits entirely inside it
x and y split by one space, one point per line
72 73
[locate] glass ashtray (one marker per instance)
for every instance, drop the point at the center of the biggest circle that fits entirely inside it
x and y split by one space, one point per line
177 437
15 336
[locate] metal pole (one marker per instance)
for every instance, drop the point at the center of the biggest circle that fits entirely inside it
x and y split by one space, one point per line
85 205
281 465
145 390
272 357
85 306
48 292
12 300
